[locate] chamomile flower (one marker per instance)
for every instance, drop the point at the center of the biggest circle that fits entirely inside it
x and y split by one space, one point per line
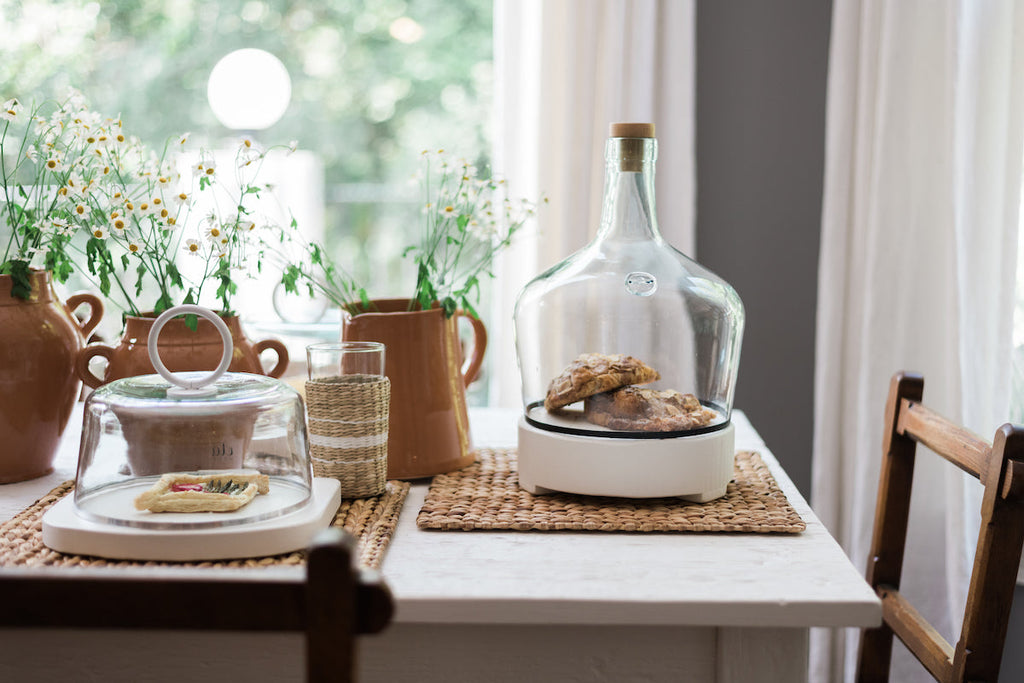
74 185
134 248
55 162
211 227
117 222
10 110
192 246
98 232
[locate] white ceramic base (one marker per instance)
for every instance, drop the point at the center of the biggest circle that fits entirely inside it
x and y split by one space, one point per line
696 468
66 532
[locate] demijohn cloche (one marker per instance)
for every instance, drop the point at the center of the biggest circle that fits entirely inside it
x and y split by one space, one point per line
628 352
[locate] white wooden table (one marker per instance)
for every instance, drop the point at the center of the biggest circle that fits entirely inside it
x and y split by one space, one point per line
496 607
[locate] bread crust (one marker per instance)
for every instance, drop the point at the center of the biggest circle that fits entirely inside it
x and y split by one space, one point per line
645 410
162 497
594 373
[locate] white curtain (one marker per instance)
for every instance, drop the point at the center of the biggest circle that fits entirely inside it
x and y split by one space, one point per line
564 71
925 131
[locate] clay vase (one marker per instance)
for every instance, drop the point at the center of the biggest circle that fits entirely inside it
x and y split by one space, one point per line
181 350
39 341
428 423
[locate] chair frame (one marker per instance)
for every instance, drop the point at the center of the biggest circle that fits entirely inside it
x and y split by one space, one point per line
336 602
1000 468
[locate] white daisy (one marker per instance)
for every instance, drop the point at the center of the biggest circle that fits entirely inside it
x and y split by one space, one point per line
10 110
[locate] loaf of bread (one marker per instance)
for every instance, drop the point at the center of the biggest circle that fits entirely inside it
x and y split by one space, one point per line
645 410
593 373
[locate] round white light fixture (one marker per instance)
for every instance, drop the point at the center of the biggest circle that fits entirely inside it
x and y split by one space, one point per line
249 89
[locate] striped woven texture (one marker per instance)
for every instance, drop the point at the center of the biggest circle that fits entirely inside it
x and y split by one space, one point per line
371 520
486 495
348 431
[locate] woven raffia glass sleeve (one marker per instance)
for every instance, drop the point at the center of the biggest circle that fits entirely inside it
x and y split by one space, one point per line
348 431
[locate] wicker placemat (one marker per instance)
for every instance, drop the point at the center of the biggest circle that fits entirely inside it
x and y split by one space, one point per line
371 520
486 495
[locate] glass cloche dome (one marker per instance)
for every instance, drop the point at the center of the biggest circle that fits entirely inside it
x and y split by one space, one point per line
626 342
192 450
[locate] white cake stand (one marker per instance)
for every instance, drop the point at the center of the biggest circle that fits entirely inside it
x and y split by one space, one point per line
67 531
697 467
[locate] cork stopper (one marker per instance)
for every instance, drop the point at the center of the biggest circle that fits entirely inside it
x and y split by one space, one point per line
631 130
631 148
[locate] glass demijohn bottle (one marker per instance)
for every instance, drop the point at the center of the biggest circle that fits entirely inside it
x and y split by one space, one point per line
627 297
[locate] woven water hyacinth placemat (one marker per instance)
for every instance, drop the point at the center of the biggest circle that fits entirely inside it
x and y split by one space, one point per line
486 495
371 520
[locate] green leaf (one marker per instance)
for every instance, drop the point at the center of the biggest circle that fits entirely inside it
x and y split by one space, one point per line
21 284
192 321
174 276
163 303
141 273
469 308
290 277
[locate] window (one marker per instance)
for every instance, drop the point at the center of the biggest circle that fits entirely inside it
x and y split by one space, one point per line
372 84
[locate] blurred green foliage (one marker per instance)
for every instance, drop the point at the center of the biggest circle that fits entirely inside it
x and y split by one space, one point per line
362 99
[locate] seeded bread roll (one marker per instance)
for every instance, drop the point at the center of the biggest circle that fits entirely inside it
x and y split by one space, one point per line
220 492
646 410
593 373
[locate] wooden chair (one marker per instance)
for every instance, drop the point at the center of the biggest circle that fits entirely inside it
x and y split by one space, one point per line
1000 468
334 604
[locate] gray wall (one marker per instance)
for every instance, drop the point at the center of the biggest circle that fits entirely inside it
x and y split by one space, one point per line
761 72
761 75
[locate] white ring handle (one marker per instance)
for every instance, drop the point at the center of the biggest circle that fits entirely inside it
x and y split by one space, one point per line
189 387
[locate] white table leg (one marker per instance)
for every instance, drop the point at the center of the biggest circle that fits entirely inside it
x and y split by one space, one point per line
762 654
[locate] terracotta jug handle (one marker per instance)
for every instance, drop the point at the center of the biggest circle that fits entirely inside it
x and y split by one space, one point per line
82 363
279 349
476 360
95 310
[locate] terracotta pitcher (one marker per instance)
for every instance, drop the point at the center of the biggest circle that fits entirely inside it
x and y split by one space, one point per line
181 350
429 424
39 341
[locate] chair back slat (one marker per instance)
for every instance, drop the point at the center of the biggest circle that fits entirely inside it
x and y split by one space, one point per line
960 446
933 651
1000 469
